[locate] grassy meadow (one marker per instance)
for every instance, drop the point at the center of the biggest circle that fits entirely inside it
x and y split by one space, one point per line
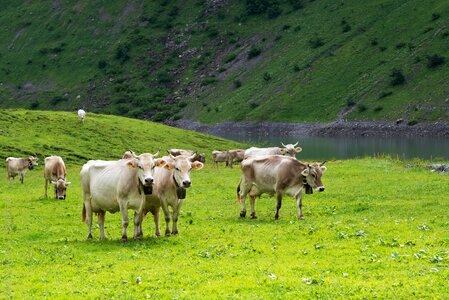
379 230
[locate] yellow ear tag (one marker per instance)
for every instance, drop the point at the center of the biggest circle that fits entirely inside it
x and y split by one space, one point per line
131 166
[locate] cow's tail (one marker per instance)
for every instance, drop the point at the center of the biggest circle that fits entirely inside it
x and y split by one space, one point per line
238 191
84 213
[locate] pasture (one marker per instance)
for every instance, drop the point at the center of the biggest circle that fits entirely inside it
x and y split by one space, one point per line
379 230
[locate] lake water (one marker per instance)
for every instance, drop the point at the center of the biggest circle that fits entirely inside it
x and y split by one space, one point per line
324 148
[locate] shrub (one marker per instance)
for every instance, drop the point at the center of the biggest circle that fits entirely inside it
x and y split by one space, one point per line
253 105
255 51
378 108
316 42
209 80
346 28
385 94
221 69
237 83
296 4
400 45
412 122
435 16
297 28
286 27
121 53
374 42
397 78
296 68
435 60
102 64
56 99
267 76
361 108
230 57
274 11
164 77
34 104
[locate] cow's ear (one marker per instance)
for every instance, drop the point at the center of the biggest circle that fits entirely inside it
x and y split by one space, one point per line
131 164
323 169
197 165
305 172
298 149
160 162
169 166
68 183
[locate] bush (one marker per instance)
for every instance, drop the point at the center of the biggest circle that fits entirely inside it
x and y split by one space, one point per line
397 78
255 51
374 42
56 99
297 28
361 108
435 60
121 53
385 94
412 122
435 16
286 27
267 76
253 105
296 68
274 11
237 83
230 57
296 4
34 104
102 64
378 108
316 42
346 28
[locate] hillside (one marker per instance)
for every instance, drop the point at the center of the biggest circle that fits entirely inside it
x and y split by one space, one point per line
216 60
43 134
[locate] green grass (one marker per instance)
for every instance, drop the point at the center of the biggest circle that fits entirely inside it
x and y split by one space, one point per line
165 59
379 230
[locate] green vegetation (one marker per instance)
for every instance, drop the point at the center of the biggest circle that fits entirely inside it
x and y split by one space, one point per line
140 59
379 229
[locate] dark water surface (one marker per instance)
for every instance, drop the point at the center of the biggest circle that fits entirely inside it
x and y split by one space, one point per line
352 147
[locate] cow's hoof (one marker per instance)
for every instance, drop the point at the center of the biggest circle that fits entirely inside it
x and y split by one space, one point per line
253 216
167 234
276 217
301 218
174 232
89 237
124 239
242 214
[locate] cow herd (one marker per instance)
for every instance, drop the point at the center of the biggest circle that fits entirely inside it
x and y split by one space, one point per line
145 183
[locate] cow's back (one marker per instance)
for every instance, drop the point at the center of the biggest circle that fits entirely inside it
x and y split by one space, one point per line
54 167
254 151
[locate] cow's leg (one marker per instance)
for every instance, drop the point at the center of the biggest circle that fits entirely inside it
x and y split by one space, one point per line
278 205
252 202
125 220
242 191
138 233
156 214
175 217
299 206
46 186
21 177
166 216
101 215
87 213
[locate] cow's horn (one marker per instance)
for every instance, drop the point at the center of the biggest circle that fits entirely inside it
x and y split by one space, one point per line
193 156
157 153
283 145
296 144
323 163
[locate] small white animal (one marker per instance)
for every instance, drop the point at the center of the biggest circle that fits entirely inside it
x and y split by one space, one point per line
81 115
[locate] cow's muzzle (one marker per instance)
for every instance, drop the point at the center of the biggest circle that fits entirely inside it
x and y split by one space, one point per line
61 197
320 189
149 181
186 183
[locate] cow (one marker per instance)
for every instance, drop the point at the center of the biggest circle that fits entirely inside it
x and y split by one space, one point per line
276 174
19 166
169 189
130 154
55 173
201 157
81 115
220 156
235 155
117 186
287 150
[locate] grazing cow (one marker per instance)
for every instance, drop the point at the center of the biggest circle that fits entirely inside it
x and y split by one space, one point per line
55 172
19 166
81 115
169 189
236 155
220 156
201 157
275 174
287 150
117 186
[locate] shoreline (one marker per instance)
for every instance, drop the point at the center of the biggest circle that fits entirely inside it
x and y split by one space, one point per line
333 129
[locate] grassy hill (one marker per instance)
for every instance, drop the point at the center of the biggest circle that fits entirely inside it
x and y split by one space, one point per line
43 134
279 60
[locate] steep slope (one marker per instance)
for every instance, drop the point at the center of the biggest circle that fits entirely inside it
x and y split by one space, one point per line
280 60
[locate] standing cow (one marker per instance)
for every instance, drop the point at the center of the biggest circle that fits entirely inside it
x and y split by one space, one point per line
19 166
201 157
236 155
55 173
287 150
275 174
169 189
117 186
81 115
220 156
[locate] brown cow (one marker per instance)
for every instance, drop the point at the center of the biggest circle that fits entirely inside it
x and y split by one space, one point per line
201 157
55 173
220 156
275 174
19 166
235 155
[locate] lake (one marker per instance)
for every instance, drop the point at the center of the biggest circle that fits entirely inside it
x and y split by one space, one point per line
325 148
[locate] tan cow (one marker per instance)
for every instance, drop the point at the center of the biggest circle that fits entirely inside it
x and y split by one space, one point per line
19 166
117 186
169 189
235 155
55 173
287 150
220 156
201 157
275 174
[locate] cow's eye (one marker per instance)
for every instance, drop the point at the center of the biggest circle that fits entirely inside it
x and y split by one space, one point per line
177 169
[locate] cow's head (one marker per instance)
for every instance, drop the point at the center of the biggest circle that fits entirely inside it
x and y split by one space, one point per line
32 162
181 166
290 149
201 157
313 173
146 163
60 188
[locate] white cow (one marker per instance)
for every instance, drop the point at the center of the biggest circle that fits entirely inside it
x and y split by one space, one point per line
117 186
19 166
169 189
287 150
81 115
